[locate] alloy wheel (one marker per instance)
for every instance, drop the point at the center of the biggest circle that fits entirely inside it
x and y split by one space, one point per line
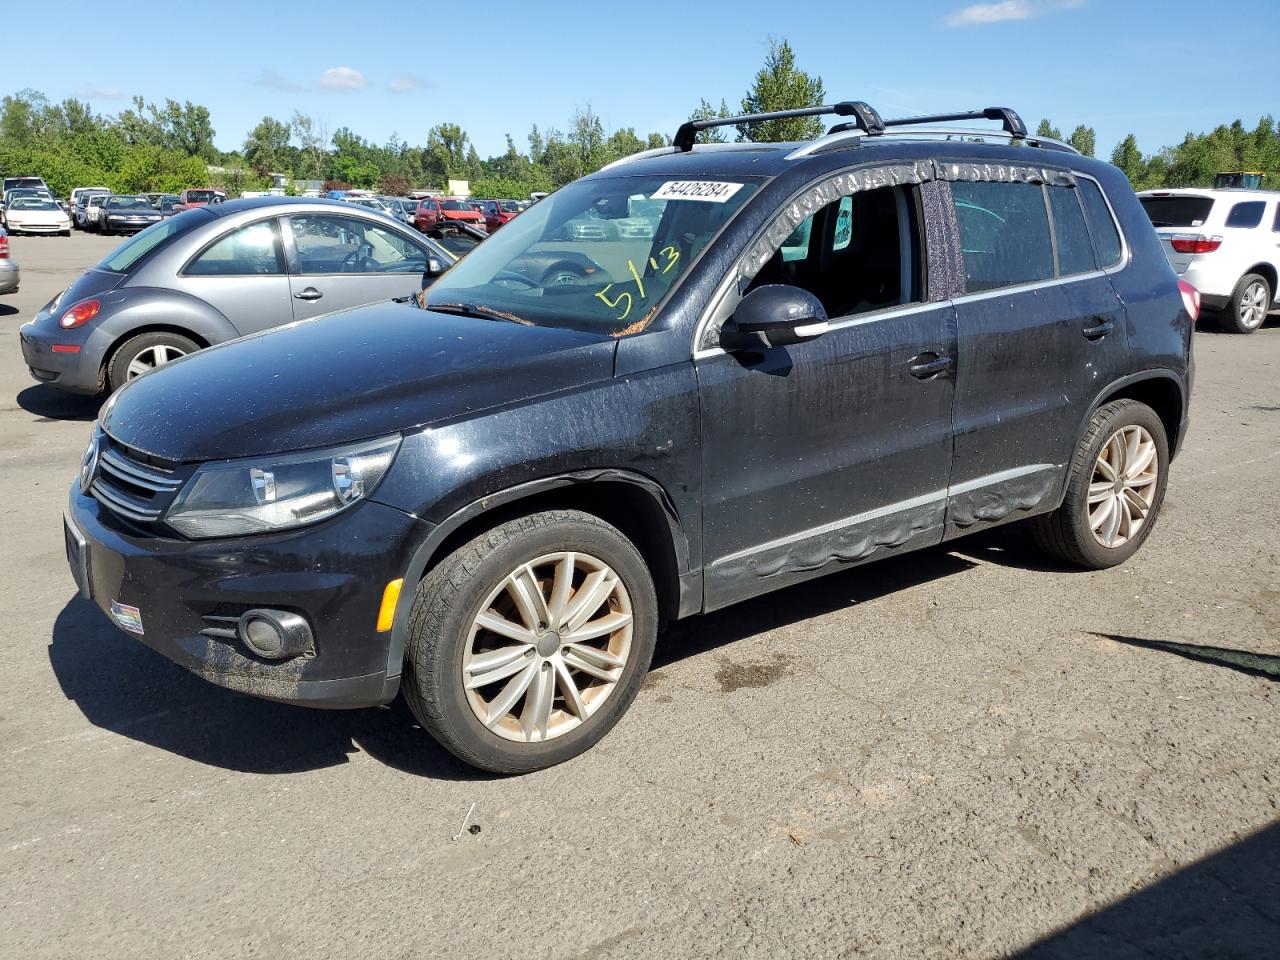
152 357
1253 305
1123 488
548 647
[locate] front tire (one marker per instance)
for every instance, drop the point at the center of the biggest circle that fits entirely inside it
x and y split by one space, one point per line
1249 304
528 643
145 352
1115 492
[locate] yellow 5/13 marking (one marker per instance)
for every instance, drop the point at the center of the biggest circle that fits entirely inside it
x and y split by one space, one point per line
639 283
614 303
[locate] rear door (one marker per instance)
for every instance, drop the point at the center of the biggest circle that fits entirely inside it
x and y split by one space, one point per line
340 261
1041 332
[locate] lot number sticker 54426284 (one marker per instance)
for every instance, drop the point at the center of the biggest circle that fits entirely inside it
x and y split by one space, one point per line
707 190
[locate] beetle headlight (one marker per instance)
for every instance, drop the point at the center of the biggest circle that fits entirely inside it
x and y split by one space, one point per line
231 499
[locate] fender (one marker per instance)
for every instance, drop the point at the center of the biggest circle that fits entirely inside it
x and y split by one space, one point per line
1156 373
153 307
690 582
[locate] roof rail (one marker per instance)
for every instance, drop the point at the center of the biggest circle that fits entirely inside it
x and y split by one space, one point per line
865 119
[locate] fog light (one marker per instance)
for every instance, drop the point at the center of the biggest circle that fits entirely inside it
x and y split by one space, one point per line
274 634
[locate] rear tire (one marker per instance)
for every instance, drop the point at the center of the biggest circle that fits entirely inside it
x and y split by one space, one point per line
496 724
1247 310
144 352
1104 474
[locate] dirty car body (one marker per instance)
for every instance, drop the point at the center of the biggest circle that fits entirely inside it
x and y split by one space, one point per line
940 393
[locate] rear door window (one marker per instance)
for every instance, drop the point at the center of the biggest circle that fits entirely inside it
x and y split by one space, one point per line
1004 233
1106 236
1246 214
1070 233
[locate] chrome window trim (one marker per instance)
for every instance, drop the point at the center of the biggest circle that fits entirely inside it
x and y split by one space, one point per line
1125 250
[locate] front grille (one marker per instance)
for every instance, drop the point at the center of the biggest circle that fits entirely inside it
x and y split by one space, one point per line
137 491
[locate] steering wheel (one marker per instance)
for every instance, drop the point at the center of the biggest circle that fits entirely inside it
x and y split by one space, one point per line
510 276
358 259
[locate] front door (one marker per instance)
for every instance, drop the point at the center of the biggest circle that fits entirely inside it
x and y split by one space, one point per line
242 275
837 449
344 261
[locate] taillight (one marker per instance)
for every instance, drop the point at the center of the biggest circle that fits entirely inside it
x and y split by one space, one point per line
1190 299
80 314
1194 243
4 247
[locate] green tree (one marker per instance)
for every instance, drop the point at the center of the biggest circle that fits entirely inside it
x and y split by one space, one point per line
264 149
705 111
1084 139
1128 158
780 85
1047 129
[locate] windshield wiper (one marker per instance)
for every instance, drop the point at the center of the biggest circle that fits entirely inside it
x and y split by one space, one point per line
477 310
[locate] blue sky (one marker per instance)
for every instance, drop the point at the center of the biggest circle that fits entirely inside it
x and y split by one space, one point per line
1156 69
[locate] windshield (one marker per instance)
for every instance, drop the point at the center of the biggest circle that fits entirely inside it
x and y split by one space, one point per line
34 203
455 205
200 196
123 258
129 203
508 206
1177 211
597 255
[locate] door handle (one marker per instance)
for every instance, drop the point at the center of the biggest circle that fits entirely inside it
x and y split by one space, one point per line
928 364
1099 327
311 293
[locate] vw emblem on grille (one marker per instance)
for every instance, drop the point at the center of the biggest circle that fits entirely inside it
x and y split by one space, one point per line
89 464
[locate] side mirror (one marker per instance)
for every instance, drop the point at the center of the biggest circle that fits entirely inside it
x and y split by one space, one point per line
435 267
774 315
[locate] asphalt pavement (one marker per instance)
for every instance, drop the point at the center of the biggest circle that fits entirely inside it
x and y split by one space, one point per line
963 752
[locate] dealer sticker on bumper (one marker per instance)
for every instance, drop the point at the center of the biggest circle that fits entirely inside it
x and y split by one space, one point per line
127 617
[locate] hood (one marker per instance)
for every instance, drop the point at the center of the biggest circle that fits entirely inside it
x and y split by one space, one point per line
349 376
461 215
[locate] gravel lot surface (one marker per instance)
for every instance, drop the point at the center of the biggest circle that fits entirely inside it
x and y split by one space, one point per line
965 752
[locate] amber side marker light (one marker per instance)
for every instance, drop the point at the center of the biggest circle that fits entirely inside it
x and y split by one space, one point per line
387 612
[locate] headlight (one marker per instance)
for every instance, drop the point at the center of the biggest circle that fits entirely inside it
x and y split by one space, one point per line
275 493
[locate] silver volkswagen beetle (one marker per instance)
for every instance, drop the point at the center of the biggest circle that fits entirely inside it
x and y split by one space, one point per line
220 272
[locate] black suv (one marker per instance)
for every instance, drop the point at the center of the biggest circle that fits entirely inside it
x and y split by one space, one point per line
734 367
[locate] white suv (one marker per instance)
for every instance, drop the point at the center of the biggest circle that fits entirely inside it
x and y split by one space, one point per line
1226 244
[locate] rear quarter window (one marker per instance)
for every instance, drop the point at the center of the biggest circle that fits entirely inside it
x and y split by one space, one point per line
1246 214
1070 233
1106 236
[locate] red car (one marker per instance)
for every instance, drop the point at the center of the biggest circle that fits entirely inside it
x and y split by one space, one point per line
435 210
498 212
198 197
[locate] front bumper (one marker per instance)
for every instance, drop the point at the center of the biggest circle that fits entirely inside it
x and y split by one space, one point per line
9 276
332 573
38 227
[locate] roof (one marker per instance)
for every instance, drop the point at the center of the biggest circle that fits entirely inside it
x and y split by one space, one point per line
772 159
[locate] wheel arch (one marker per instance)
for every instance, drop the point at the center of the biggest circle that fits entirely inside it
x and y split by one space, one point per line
636 504
123 338
1268 272
1161 390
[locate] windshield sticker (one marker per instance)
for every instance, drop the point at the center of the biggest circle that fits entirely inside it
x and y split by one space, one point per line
707 190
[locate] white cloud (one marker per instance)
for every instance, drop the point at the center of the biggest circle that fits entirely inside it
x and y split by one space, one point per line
275 80
406 82
983 13
99 93
342 78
